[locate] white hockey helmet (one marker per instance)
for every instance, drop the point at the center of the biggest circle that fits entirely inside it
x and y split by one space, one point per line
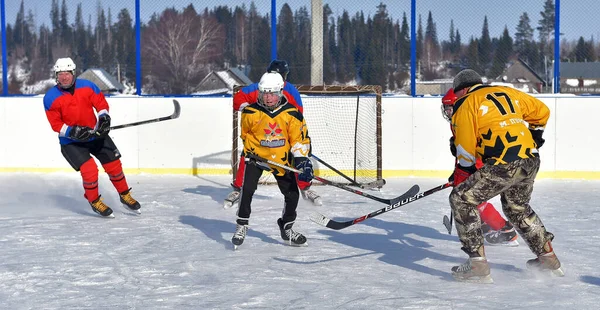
64 65
270 83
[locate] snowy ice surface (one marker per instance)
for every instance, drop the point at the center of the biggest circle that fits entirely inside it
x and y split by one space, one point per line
55 253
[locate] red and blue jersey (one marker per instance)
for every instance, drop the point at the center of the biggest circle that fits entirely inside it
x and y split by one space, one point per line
249 95
64 110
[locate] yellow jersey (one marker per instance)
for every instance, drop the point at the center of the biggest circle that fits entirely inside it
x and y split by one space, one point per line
491 122
278 136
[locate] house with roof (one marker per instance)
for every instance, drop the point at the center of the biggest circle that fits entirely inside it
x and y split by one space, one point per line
580 78
521 76
222 82
107 83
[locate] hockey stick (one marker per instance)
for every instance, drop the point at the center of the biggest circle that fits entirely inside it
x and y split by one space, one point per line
338 185
370 185
155 120
329 223
448 222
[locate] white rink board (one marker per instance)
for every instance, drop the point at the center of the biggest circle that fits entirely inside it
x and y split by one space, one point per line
415 136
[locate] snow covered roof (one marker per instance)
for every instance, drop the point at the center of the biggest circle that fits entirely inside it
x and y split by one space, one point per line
104 80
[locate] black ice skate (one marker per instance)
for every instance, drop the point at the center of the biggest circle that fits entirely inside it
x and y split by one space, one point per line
507 236
101 208
288 234
239 235
129 202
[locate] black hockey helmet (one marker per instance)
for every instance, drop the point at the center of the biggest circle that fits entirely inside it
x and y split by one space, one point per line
279 66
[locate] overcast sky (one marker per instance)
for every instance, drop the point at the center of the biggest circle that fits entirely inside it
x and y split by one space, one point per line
578 18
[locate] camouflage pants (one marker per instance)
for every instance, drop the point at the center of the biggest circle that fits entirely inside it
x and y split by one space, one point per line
514 183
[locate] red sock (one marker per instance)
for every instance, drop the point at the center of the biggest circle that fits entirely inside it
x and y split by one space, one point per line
490 215
239 176
116 176
303 185
89 175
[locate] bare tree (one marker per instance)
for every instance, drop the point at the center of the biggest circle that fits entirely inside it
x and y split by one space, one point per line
179 47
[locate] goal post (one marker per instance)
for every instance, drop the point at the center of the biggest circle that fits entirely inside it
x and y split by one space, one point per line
344 124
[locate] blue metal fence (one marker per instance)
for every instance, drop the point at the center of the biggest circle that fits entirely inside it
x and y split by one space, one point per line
169 48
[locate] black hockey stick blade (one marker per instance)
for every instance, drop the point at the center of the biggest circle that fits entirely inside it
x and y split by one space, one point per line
325 181
448 223
175 115
410 197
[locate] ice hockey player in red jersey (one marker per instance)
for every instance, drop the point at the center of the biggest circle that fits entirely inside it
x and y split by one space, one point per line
496 230
71 107
249 95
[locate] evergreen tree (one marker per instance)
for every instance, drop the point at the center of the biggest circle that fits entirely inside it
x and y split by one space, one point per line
286 40
404 41
485 45
20 26
66 35
523 34
420 40
502 54
329 47
472 57
101 34
55 21
125 45
345 60
584 51
546 23
259 43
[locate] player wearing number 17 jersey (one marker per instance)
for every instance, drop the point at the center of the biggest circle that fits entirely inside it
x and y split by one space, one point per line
503 127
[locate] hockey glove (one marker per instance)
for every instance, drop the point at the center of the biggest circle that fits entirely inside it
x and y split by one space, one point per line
80 133
462 173
452 146
103 125
536 134
305 165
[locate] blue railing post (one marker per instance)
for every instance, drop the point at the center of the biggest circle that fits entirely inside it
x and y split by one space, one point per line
556 77
4 53
413 48
138 50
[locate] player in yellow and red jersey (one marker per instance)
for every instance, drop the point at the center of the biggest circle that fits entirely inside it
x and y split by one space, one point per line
249 95
274 129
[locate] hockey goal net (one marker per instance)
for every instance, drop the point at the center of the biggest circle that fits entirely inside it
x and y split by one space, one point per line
344 124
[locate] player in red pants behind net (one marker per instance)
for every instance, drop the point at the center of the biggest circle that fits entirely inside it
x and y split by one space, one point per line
248 95
496 230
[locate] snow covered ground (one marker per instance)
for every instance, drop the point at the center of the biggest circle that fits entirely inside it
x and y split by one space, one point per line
55 253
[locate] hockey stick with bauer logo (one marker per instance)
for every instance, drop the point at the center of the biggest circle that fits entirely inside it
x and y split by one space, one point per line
329 223
370 185
154 120
409 193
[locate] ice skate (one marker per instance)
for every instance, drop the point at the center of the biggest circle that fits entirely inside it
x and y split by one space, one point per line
506 236
475 269
312 196
289 235
239 235
232 198
129 202
546 262
101 208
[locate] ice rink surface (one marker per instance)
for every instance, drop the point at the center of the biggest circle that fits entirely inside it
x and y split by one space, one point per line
55 253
